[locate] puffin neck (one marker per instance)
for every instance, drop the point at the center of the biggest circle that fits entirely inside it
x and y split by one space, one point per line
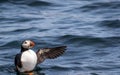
23 49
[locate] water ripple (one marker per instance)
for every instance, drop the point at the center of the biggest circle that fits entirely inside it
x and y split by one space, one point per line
89 40
111 23
1 1
7 68
11 44
100 5
40 3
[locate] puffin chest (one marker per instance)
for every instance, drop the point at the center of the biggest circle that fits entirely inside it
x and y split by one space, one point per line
29 60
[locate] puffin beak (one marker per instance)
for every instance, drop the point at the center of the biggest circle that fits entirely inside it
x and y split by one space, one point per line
32 44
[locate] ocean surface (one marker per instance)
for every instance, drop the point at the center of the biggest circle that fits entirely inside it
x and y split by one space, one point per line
89 28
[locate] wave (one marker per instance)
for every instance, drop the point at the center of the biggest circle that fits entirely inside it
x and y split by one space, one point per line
62 68
111 23
98 68
2 1
7 68
11 44
15 43
18 19
89 40
28 2
19 30
31 2
101 5
40 3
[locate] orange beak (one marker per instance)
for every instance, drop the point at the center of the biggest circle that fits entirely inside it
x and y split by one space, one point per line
32 44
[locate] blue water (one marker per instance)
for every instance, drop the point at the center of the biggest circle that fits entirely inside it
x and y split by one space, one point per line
90 29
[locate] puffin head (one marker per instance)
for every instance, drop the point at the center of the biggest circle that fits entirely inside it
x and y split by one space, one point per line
27 44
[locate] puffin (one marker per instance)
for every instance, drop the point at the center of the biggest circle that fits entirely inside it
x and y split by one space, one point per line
27 59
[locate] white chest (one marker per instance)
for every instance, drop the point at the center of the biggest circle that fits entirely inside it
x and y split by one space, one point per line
29 60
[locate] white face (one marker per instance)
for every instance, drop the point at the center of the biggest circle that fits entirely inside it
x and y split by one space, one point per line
27 44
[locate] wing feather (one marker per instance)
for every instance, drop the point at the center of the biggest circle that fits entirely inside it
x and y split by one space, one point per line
50 53
17 61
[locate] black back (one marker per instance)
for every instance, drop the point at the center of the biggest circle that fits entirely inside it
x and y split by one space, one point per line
17 61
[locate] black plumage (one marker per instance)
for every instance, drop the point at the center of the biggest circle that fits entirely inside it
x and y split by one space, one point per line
50 53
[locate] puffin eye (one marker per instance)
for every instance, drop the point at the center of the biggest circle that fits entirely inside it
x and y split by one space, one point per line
25 42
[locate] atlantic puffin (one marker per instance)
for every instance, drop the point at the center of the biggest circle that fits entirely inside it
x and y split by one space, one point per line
27 59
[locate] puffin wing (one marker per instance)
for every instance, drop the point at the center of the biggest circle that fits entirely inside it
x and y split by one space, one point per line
17 61
50 53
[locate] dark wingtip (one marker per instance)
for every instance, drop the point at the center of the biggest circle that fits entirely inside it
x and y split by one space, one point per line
56 52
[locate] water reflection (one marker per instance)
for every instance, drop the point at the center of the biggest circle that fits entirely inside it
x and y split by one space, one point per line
37 71
30 73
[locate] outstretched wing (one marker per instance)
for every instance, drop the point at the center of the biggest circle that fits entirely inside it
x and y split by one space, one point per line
50 53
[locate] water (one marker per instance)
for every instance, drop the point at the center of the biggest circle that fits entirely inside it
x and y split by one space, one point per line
90 29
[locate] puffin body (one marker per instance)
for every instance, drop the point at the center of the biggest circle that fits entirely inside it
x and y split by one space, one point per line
27 59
